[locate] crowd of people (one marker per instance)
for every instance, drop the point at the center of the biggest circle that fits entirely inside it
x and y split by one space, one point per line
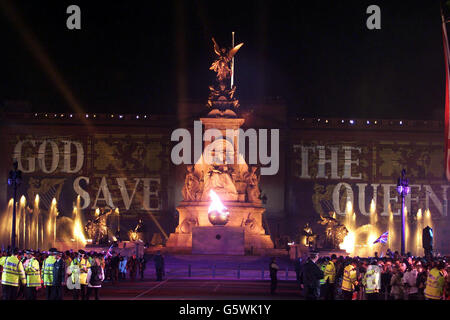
393 277
25 273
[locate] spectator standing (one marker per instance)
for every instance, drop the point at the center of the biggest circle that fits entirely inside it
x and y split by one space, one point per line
421 281
273 269
114 265
142 265
132 267
159 265
123 267
397 291
310 277
410 282
95 278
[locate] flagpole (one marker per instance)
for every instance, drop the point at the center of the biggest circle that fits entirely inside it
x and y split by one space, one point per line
447 102
232 60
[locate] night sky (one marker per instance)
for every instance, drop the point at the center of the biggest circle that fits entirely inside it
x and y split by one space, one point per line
144 56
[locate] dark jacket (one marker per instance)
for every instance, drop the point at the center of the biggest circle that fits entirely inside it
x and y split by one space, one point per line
311 275
59 271
114 262
96 276
159 261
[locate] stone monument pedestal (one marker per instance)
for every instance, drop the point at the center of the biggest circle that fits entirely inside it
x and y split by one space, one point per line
243 216
218 240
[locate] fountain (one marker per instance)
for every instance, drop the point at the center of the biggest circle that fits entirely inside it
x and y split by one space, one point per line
39 229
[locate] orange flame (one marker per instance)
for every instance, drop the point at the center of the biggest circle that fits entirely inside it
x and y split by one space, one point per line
216 204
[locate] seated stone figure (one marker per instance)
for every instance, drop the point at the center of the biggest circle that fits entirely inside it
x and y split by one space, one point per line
218 178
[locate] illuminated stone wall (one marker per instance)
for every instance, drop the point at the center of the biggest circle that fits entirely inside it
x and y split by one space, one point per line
125 163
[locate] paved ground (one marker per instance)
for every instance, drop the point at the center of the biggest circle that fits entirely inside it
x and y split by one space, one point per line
183 289
203 277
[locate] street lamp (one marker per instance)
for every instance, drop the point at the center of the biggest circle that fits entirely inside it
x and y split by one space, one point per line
14 180
403 190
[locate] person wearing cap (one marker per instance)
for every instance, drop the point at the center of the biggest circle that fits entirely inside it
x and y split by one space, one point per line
12 274
434 289
84 266
330 278
59 271
67 258
73 278
47 273
350 279
372 281
33 275
310 277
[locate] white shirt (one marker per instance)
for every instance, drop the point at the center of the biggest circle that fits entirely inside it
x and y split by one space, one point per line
410 278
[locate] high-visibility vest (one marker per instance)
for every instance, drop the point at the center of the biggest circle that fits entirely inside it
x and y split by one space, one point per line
349 278
47 270
74 271
322 267
12 271
435 285
372 279
330 272
33 273
84 268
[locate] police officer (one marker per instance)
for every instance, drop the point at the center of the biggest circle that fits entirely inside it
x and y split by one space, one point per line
84 266
434 289
330 278
33 275
12 273
350 280
47 273
372 281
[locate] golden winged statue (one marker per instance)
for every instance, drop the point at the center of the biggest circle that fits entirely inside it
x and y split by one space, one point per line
222 64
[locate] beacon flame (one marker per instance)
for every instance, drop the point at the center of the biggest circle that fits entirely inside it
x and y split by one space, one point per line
349 242
216 204
217 212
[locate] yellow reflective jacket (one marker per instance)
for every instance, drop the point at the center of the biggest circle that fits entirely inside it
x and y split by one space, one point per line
12 271
349 278
322 267
435 285
372 279
84 268
32 272
330 272
47 270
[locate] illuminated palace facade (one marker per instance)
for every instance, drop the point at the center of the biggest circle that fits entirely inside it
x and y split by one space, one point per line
123 161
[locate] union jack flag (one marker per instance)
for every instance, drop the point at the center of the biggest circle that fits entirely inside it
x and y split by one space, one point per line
383 238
